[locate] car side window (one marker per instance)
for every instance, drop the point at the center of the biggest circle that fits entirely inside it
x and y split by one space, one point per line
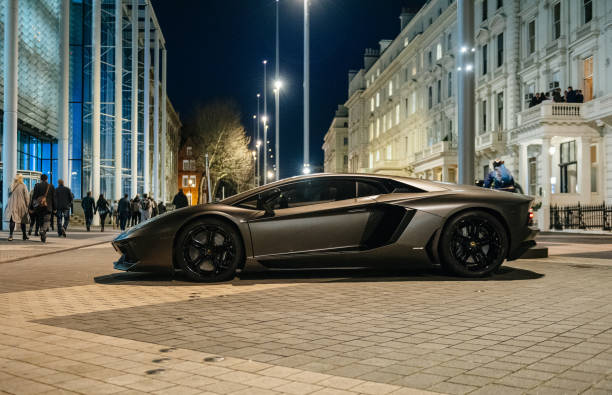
365 188
301 193
317 191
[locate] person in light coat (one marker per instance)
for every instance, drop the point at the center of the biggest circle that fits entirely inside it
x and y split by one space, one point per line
16 210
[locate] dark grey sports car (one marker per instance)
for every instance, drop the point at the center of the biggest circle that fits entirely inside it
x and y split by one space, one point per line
333 220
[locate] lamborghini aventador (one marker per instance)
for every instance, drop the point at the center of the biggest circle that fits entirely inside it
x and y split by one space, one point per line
333 220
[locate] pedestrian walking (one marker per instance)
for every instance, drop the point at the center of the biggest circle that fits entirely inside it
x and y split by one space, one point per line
180 200
135 210
145 208
16 210
124 211
154 208
161 207
89 206
113 214
103 209
63 200
43 205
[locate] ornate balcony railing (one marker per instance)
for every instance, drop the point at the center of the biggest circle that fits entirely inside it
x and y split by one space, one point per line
550 110
435 150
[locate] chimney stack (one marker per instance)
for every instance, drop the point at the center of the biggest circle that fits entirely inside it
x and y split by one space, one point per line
405 17
369 57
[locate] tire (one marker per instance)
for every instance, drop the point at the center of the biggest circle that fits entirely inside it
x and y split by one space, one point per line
209 250
473 244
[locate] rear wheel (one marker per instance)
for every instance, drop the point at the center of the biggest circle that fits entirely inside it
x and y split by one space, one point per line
473 244
209 250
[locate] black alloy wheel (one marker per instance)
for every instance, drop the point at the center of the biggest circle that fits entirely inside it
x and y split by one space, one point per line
209 250
473 244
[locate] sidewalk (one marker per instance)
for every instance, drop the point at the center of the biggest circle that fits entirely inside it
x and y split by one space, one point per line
77 237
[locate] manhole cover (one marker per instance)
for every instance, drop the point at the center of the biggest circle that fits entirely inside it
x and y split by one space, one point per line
213 359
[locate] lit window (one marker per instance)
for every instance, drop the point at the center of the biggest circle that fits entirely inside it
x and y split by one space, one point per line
531 37
186 165
372 104
371 161
185 181
377 155
377 127
397 114
377 99
438 51
414 68
192 181
189 151
390 88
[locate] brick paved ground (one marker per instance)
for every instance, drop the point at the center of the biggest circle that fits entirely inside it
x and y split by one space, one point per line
69 323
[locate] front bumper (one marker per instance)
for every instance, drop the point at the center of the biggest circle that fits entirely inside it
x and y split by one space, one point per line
525 244
141 254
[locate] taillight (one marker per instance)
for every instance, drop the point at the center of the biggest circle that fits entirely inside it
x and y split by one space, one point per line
530 221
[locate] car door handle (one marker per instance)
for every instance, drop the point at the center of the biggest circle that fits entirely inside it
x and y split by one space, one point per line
358 210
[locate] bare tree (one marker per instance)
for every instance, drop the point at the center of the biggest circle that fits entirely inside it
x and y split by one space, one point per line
215 129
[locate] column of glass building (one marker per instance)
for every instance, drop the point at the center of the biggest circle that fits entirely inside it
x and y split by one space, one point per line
39 83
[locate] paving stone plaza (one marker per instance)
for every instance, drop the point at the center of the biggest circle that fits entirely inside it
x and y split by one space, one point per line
71 324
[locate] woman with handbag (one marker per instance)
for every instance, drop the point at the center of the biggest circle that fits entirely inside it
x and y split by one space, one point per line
102 208
16 211
43 205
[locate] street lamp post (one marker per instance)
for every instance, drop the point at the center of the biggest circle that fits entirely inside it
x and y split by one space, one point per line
258 139
258 146
306 88
277 86
465 94
265 121
254 168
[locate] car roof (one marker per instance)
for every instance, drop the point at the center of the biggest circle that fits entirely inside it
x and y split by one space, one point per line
426 185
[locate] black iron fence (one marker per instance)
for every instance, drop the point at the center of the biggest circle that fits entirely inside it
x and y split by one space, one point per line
581 216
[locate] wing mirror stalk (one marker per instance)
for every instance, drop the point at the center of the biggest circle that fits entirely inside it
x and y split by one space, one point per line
269 211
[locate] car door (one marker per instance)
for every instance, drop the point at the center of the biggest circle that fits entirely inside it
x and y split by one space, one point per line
309 216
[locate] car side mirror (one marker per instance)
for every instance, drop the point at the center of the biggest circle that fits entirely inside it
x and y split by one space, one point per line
269 211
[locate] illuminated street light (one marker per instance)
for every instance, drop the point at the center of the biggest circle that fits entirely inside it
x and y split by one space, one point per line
270 175
306 169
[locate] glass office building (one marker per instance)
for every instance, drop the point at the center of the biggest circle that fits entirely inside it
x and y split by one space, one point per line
109 86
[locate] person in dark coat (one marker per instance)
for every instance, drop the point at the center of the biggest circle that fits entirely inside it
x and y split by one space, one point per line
570 97
63 200
161 207
579 96
135 210
88 205
103 209
124 211
43 205
180 200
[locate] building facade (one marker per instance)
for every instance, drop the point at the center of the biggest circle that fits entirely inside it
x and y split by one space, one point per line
189 177
84 92
402 107
335 143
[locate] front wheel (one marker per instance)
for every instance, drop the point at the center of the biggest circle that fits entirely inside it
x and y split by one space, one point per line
473 244
209 250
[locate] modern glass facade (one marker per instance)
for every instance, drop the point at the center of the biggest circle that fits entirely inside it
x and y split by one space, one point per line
39 91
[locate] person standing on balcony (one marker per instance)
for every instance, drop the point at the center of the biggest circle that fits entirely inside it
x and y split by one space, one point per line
570 96
579 96
557 98
500 178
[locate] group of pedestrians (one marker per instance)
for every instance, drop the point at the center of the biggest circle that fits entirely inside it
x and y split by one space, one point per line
45 202
569 96
37 207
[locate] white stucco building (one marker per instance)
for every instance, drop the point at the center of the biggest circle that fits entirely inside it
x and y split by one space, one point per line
335 143
402 108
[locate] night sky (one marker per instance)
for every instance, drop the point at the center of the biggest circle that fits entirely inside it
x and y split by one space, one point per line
216 48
